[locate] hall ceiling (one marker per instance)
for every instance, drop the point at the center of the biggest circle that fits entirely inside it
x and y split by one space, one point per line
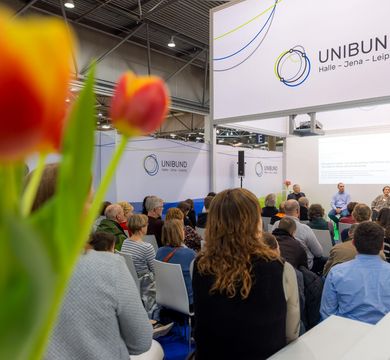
186 20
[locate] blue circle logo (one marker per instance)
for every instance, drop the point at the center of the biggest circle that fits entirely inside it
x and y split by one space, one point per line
259 169
292 67
151 164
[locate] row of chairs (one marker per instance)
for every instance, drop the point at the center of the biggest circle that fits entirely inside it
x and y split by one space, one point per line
171 291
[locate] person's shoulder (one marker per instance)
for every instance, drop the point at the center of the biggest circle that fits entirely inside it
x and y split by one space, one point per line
339 270
187 251
101 258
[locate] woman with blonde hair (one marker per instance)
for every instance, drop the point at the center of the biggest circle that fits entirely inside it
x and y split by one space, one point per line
191 238
143 255
245 298
128 212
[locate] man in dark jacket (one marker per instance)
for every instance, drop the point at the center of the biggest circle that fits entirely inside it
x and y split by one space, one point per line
290 248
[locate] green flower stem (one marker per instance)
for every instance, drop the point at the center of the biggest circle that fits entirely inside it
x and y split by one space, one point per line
32 188
101 191
10 194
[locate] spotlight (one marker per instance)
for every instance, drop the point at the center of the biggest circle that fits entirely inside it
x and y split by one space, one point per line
171 43
69 4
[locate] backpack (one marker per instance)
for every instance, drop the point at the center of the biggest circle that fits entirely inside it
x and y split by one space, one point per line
313 293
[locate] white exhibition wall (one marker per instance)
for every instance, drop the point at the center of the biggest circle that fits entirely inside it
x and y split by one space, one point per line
177 170
271 58
364 176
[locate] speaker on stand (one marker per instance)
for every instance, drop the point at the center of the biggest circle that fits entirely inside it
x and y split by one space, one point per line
241 164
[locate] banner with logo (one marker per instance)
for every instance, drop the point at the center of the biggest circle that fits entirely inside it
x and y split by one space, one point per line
172 170
178 170
279 57
263 170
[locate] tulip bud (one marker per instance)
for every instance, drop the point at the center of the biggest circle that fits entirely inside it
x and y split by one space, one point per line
35 69
139 105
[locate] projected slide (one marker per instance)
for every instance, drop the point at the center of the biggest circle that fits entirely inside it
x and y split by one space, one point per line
361 159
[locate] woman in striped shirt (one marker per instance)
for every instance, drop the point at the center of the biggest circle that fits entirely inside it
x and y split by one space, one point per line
143 255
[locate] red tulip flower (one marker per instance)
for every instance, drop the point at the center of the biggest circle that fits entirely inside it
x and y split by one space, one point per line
35 70
139 105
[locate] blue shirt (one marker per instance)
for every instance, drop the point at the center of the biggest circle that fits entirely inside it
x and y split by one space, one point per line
340 200
183 256
358 289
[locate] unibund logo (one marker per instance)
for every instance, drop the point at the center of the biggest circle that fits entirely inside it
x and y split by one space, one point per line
292 67
262 169
259 169
151 164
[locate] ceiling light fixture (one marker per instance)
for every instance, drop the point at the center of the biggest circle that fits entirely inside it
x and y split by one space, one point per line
171 43
69 4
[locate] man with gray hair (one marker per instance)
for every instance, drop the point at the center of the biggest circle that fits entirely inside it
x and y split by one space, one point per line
305 236
154 207
296 194
111 224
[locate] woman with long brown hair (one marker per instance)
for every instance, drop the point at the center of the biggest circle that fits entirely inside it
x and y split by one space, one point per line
245 298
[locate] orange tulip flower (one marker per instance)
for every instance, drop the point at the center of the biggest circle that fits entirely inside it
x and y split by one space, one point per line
139 105
35 70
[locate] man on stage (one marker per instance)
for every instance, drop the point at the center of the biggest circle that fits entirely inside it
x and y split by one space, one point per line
339 204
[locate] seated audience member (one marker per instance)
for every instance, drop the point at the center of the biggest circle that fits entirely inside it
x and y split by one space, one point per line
101 303
360 213
202 217
349 219
102 241
280 214
303 208
305 236
339 203
384 221
185 208
191 238
382 201
291 250
191 214
114 216
269 209
154 207
144 211
296 194
143 255
101 216
341 252
359 289
175 252
316 216
127 211
236 301
141 252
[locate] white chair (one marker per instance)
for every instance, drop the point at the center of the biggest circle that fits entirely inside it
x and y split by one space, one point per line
266 222
131 267
270 228
200 231
171 291
151 239
342 227
202 243
156 352
323 236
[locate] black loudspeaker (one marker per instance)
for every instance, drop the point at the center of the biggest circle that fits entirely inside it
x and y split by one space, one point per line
241 163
